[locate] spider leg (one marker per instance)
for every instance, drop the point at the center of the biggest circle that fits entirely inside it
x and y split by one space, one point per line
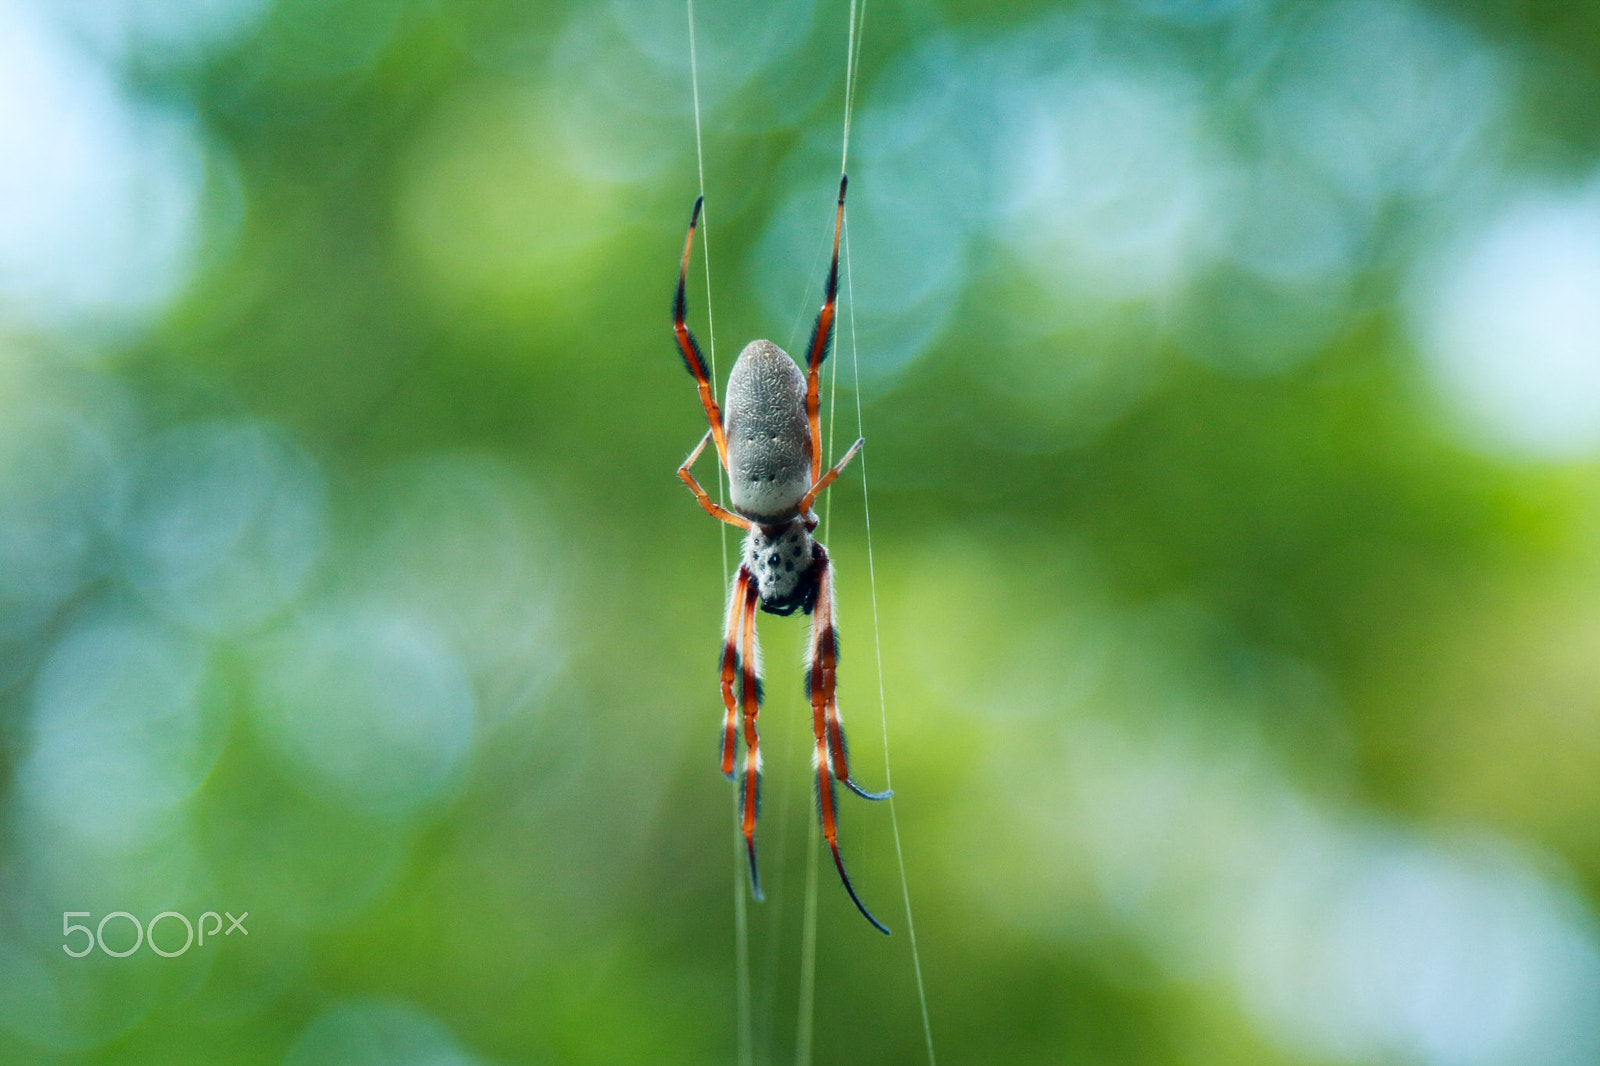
714 510
829 755
830 830
821 334
730 668
827 479
822 680
750 699
689 348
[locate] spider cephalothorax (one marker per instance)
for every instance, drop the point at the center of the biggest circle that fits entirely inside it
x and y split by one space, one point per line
783 561
771 445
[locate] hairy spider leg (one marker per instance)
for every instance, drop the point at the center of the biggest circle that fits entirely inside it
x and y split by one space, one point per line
750 698
821 686
690 348
822 681
730 668
827 479
713 509
821 334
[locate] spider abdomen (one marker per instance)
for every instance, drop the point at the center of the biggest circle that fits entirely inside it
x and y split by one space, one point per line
783 561
769 439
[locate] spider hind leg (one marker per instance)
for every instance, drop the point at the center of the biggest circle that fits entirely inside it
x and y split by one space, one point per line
827 732
828 812
729 669
838 743
822 681
750 702
750 799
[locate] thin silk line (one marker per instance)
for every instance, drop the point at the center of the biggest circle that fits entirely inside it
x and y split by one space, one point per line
705 255
741 924
851 59
877 647
808 949
853 67
777 896
808 952
741 939
808 938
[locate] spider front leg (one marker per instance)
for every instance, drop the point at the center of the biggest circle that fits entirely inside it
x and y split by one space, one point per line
715 510
821 335
689 348
816 490
830 757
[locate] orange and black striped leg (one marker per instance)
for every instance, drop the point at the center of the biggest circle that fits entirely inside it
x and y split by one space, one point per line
689 348
821 335
822 679
829 757
730 669
750 701
713 509
830 830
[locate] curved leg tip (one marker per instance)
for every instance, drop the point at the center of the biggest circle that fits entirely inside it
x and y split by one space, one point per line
865 794
848 887
755 876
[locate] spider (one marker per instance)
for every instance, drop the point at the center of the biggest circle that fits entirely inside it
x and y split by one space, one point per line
771 445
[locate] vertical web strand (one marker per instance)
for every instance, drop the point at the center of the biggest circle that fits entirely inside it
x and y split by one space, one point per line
808 939
804 1023
852 58
808 948
808 951
705 255
883 711
852 69
741 925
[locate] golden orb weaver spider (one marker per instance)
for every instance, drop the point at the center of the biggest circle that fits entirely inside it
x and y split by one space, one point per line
771 446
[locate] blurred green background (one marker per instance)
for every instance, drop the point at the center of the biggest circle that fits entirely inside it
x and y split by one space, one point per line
1230 374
